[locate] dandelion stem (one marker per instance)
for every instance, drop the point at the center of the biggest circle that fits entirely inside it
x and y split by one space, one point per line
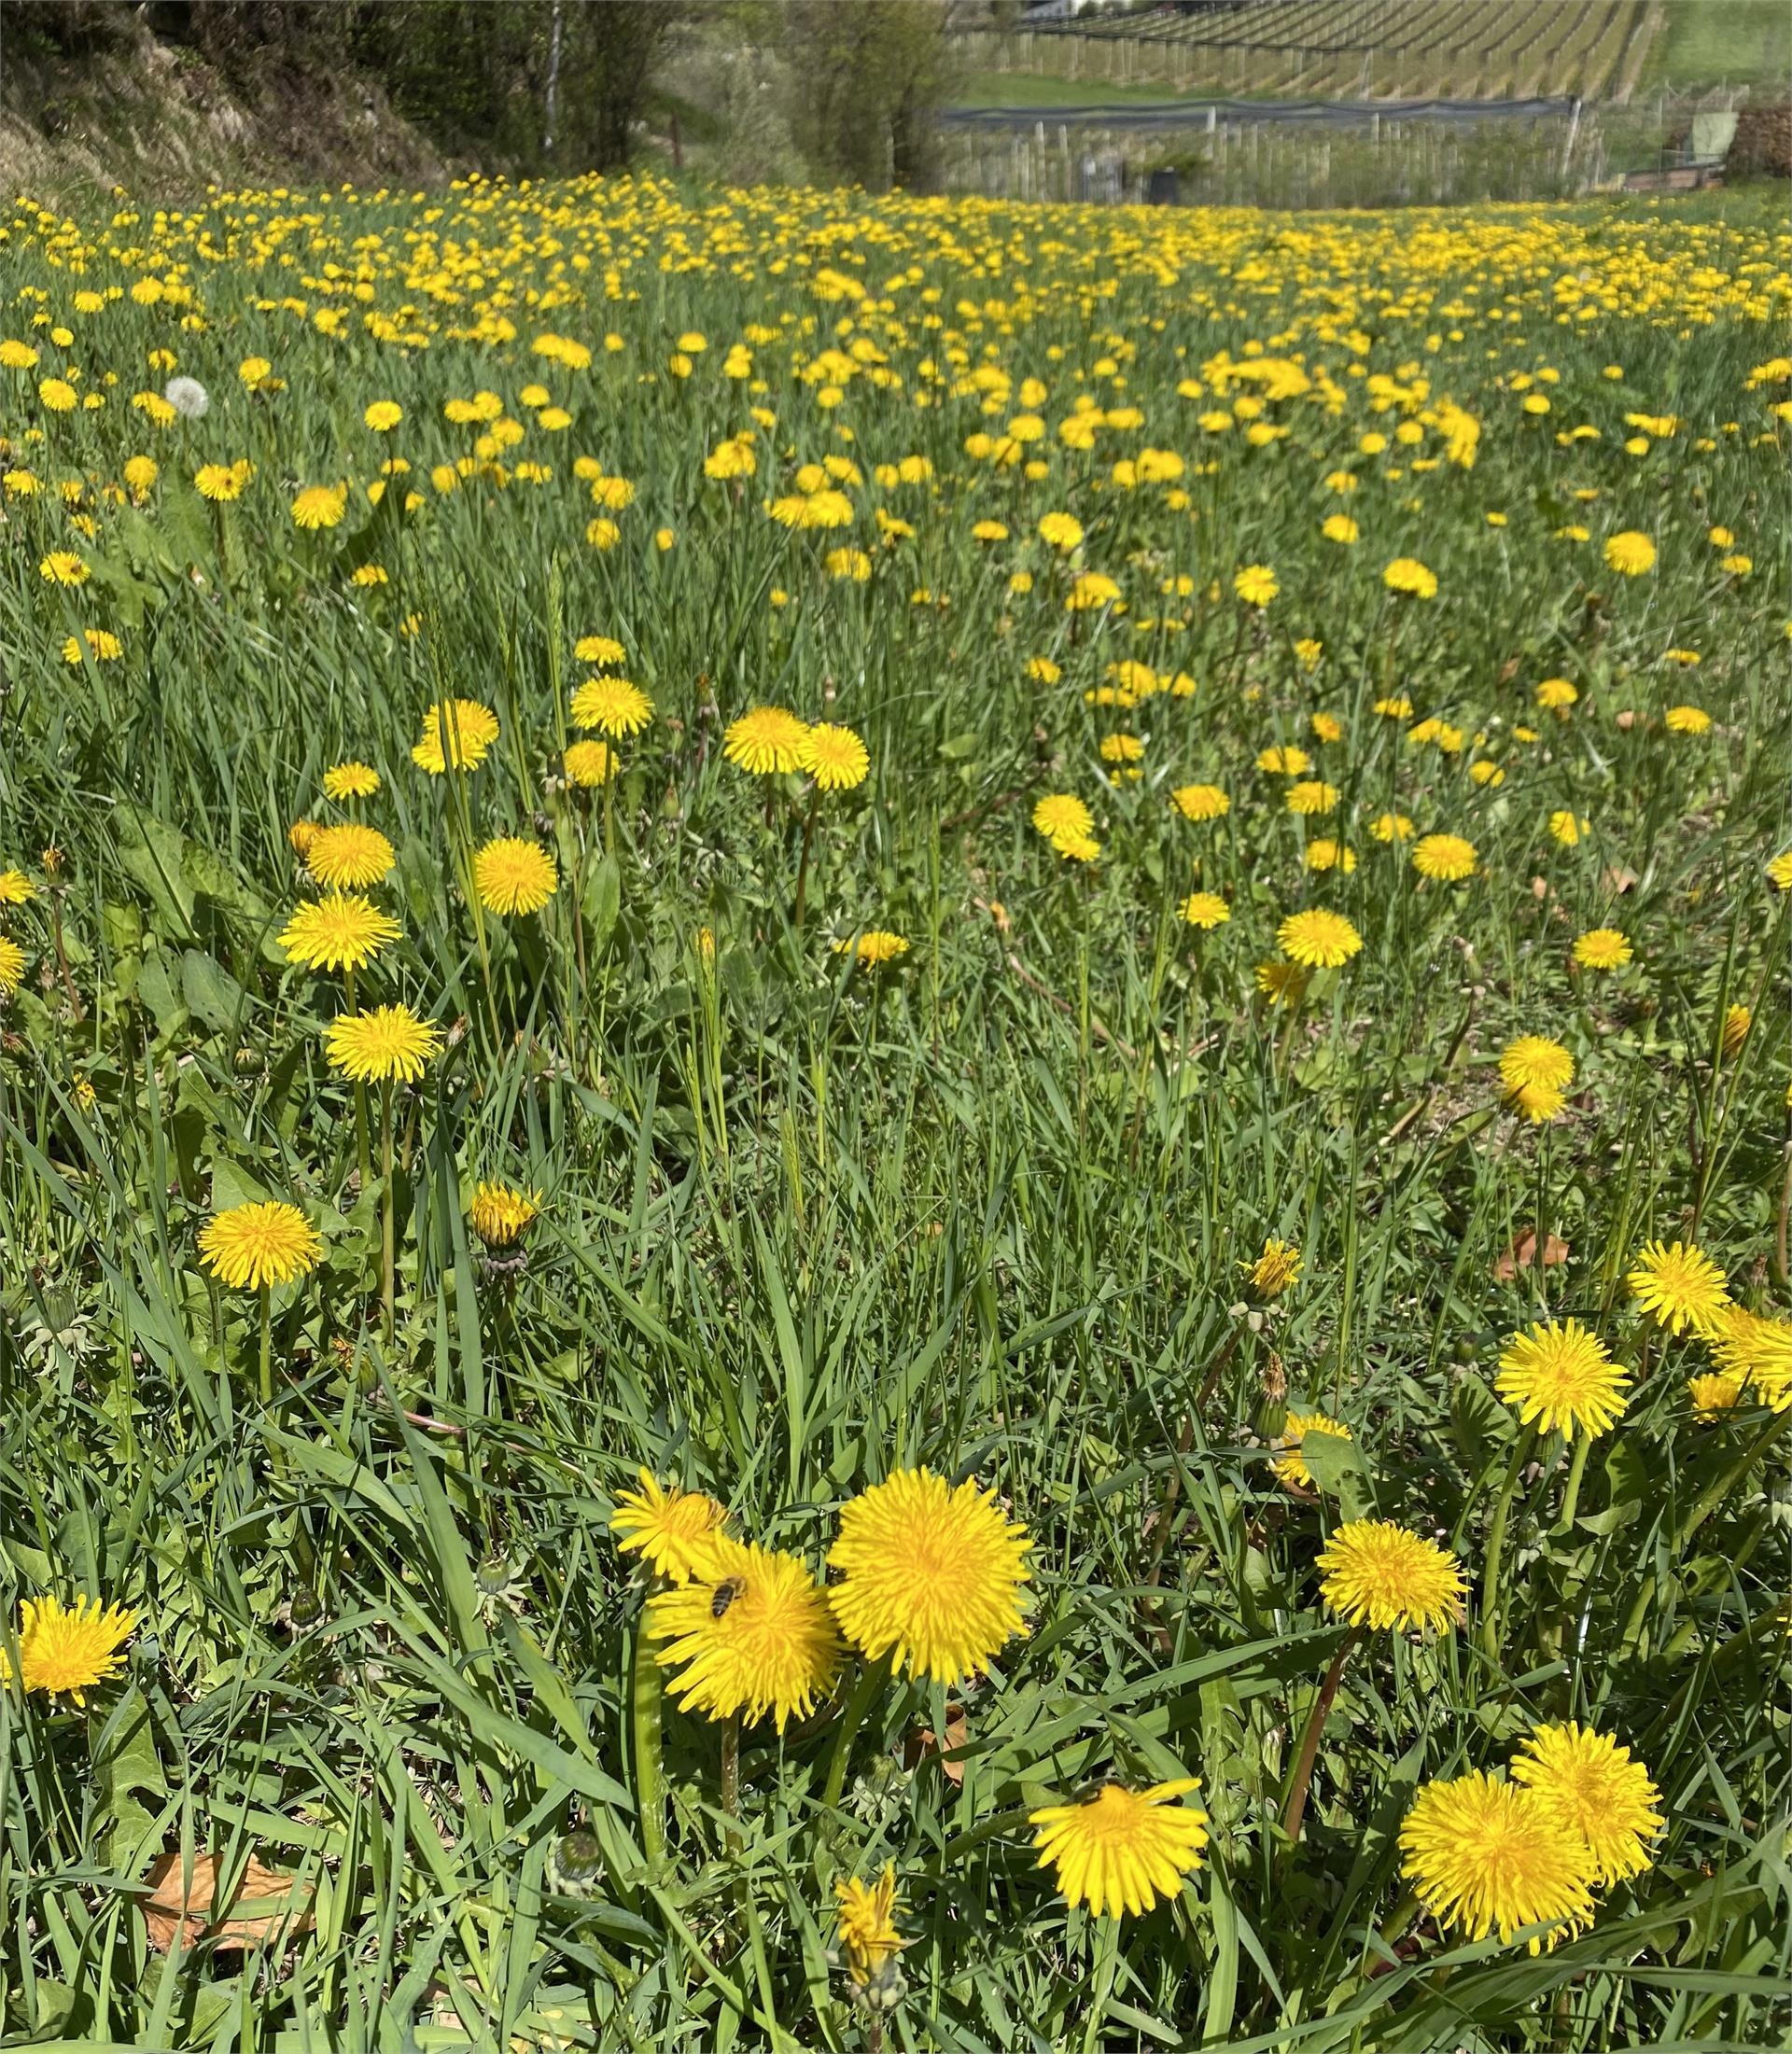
645 1697
363 1142
267 1345
1576 1470
1295 1810
803 861
864 1694
1496 1547
730 1777
389 1221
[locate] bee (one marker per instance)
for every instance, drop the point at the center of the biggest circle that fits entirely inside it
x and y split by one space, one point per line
724 1595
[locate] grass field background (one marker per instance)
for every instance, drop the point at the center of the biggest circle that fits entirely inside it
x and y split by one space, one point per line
805 1220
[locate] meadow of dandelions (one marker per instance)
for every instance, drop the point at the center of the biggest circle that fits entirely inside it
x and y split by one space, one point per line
895 1124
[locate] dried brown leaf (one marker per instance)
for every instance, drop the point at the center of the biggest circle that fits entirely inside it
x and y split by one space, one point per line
266 1904
1522 1255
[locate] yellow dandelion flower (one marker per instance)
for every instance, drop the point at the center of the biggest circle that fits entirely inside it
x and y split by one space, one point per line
1603 948
1679 1286
1200 801
874 946
1376 1573
385 1044
1630 553
671 1529
65 1650
833 756
1205 910
320 506
339 931
1274 1270
590 763
255 1246
868 1919
456 731
1318 939
1122 1850
513 876
1256 584
1408 575
349 854
1290 1468
1562 1380
351 781
1685 720
501 1215
1596 1792
1447 857
12 966
755 1637
1492 1856
931 1575
1714 1395
612 706
766 742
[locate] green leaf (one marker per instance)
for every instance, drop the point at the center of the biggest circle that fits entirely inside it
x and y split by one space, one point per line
212 994
603 902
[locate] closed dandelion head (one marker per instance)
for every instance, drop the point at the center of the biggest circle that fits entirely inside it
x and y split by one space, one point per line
455 731
1679 1286
1488 1856
1318 939
1562 1380
868 1934
501 1215
339 931
1290 1468
671 1529
385 1045
1274 1270
1378 1575
256 1246
65 1650
931 1576
514 876
756 1637
765 742
833 756
1738 1020
349 856
351 781
1596 1792
1122 1850
612 706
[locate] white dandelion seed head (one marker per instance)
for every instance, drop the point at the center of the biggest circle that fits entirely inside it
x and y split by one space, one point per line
188 398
